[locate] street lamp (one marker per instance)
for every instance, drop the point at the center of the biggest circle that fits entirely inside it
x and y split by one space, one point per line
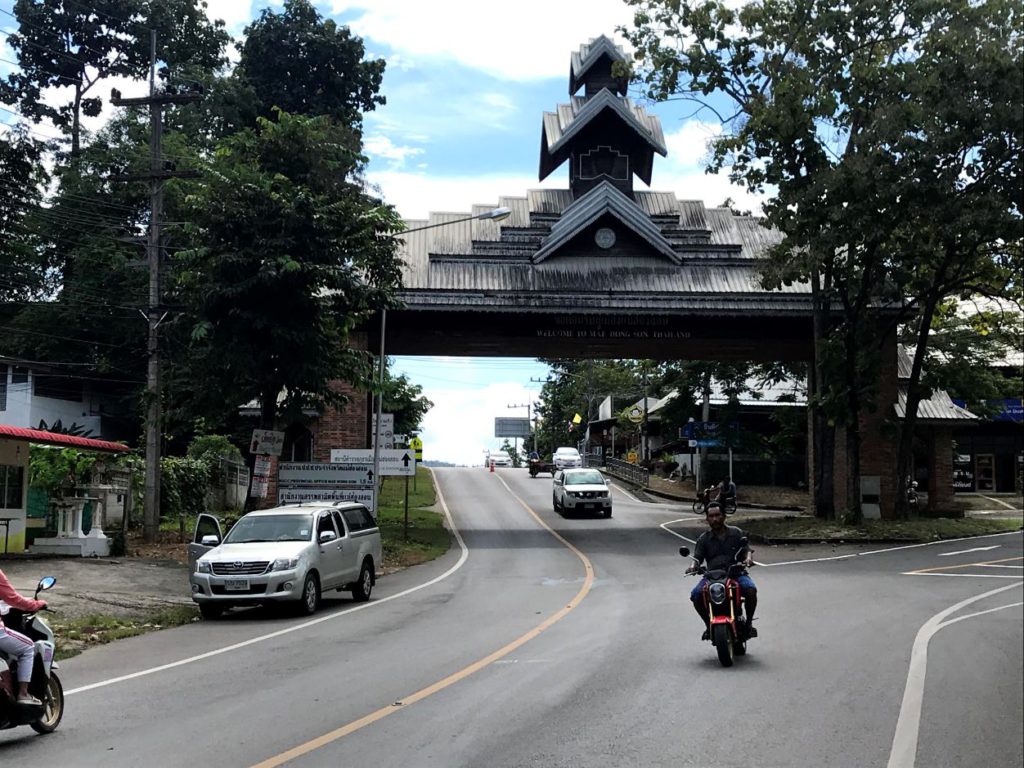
495 214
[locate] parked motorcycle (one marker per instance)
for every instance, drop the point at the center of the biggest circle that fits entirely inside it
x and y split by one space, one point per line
724 599
45 685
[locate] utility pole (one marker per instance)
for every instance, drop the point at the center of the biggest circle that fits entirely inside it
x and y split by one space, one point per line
156 177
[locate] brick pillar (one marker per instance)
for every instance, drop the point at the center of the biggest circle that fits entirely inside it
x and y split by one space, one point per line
346 426
878 442
877 445
940 470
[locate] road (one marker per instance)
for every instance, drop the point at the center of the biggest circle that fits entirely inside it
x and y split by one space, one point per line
540 641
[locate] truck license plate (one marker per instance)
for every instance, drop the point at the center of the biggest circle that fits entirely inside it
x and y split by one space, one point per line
236 585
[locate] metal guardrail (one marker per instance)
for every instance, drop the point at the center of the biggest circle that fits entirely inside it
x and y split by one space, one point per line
628 472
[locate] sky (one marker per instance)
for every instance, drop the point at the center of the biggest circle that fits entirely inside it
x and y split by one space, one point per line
466 85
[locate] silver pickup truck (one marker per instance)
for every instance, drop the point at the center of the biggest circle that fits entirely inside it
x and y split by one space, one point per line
290 554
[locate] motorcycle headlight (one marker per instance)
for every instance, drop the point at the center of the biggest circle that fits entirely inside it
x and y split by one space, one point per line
203 566
718 593
284 564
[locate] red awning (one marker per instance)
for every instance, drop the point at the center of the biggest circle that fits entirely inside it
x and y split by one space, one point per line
55 438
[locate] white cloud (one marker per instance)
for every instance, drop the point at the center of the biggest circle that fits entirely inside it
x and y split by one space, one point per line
383 147
689 146
416 194
527 40
460 426
236 14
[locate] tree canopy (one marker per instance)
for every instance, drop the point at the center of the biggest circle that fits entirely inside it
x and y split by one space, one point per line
887 139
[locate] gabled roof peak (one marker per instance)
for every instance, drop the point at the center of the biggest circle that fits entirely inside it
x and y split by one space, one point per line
604 199
588 55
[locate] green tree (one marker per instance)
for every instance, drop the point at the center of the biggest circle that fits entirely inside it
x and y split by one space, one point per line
304 65
65 43
406 401
293 257
22 176
889 137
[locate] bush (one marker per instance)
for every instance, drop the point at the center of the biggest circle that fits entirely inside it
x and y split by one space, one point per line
183 486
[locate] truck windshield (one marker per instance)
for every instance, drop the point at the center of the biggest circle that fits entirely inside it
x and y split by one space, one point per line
252 528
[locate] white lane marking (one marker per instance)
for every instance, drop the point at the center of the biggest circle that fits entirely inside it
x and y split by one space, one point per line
991 565
669 530
965 551
945 624
960 575
625 493
1001 502
904 742
304 625
890 549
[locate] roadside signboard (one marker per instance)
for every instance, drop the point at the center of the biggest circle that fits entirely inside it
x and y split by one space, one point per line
387 430
299 495
417 445
259 487
261 467
393 461
635 414
511 427
266 442
632 457
297 474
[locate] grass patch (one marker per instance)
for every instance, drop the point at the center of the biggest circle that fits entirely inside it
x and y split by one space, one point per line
916 530
76 634
427 537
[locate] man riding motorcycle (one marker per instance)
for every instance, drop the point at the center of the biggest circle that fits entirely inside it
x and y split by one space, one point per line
719 547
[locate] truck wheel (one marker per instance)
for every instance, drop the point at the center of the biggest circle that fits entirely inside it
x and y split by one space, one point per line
310 599
364 585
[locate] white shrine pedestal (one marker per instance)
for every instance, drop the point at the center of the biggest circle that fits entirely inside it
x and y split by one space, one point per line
70 540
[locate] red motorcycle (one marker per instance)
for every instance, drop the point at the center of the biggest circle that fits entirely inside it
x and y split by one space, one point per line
724 600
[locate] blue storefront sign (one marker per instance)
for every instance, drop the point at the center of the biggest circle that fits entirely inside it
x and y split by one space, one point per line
1010 409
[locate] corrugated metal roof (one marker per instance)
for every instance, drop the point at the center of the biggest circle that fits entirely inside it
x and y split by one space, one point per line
608 276
549 200
658 203
581 110
602 199
938 407
43 437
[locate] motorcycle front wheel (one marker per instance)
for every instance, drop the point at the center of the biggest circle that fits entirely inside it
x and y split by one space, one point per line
53 706
720 636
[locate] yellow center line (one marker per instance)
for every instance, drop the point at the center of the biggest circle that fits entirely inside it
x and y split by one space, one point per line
966 565
405 701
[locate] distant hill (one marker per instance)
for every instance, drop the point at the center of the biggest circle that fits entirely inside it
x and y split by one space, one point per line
440 464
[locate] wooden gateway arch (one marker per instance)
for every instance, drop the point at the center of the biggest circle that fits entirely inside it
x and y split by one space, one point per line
601 269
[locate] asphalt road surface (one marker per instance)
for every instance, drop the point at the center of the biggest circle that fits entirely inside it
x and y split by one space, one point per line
550 642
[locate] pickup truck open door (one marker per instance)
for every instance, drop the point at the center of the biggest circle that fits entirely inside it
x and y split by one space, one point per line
207 535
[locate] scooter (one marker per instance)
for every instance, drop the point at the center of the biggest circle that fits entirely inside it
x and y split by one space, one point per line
45 685
912 496
724 600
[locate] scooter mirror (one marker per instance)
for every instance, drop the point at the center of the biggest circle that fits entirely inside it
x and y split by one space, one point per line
684 551
46 582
